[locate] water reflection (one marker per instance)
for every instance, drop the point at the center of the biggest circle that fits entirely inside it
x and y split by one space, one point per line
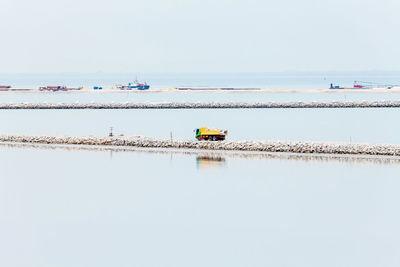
219 158
205 161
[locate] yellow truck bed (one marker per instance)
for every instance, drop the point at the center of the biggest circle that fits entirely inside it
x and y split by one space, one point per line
205 133
209 131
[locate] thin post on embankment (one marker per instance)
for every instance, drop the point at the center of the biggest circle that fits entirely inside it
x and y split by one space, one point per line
259 146
210 105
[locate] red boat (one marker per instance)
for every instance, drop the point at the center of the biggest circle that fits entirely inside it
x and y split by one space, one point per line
58 88
4 87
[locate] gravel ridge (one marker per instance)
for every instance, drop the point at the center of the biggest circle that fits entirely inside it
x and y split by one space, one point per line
210 105
261 146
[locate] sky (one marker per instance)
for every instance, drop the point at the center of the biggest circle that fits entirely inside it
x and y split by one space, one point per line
198 35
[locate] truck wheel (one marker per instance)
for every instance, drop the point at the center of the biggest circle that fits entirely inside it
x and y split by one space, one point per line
214 138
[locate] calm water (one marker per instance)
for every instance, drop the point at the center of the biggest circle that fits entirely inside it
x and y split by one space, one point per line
62 97
92 208
345 125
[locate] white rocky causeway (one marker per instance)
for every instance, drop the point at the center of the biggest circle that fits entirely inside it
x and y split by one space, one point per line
210 105
260 146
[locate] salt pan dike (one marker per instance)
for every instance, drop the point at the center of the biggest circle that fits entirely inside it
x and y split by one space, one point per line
257 146
209 105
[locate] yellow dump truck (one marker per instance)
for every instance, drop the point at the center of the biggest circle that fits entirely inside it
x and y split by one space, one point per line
210 134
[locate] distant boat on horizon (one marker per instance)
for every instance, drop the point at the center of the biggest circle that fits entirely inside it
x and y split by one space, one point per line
135 85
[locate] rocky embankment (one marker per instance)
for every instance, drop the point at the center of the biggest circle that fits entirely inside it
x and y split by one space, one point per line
212 105
260 146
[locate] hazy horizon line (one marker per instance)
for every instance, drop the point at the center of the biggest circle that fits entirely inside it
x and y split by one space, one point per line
396 72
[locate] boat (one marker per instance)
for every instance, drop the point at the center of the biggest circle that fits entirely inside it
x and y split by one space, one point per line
135 85
58 88
336 86
5 87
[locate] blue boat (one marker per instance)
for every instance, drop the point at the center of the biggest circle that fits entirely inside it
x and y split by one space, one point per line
135 85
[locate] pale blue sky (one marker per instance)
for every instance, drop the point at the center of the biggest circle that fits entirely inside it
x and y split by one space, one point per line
198 36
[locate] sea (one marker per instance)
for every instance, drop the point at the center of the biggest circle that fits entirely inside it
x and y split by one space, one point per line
83 206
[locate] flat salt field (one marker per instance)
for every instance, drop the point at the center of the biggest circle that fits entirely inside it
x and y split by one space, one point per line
331 125
108 208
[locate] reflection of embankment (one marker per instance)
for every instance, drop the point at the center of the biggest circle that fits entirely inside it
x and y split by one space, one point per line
254 146
205 105
223 155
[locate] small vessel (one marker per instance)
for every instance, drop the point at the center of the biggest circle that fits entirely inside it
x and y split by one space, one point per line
5 87
336 86
134 85
358 85
58 88
97 88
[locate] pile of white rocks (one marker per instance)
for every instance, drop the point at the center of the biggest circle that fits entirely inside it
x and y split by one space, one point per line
260 146
212 105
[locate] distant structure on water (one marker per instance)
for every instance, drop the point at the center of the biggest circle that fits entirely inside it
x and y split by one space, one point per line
135 85
58 88
364 85
5 87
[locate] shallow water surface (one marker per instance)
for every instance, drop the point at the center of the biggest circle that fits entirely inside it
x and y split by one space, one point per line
160 97
107 208
344 125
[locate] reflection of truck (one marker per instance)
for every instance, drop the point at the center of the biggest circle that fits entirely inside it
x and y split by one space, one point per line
209 161
205 133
